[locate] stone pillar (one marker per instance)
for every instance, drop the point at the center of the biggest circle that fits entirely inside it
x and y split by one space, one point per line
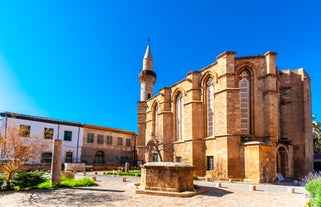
56 162
141 135
126 166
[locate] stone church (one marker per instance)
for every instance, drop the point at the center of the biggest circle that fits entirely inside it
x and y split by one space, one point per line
239 118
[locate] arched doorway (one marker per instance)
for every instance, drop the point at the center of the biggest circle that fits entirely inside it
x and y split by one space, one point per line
153 151
99 157
282 158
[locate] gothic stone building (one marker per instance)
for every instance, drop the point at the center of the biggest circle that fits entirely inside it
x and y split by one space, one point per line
237 118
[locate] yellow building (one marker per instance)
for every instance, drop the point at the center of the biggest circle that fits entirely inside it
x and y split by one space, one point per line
104 145
237 118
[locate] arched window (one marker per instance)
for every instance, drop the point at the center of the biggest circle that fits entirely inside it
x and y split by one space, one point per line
99 157
155 120
245 101
210 107
179 116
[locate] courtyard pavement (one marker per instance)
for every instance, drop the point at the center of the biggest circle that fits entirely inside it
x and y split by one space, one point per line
112 191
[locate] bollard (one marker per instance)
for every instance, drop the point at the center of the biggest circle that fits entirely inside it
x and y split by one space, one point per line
290 190
252 187
93 178
218 185
84 173
124 179
230 180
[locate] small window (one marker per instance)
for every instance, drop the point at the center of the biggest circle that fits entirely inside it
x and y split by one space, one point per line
24 131
210 163
68 158
46 157
148 96
128 142
48 133
155 157
120 141
90 138
109 140
67 135
100 139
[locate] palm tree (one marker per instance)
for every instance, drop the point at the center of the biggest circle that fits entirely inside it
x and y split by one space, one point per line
316 133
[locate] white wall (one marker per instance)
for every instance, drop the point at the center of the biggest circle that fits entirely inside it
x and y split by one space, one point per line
37 130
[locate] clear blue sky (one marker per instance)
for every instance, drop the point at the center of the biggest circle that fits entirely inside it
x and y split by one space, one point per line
79 60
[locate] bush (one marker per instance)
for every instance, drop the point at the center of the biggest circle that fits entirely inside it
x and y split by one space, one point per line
1 181
310 176
314 188
23 180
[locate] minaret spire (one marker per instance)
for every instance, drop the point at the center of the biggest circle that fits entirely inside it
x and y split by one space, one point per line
147 76
148 62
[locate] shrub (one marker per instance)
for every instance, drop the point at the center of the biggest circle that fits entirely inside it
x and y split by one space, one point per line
1 181
314 189
28 180
310 176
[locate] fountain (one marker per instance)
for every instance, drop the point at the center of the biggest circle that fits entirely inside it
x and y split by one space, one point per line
167 178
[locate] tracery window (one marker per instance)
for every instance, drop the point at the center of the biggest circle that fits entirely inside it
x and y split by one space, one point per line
210 107
245 101
155 119
179 116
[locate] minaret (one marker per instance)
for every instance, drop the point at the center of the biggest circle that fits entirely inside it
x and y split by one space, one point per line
147 76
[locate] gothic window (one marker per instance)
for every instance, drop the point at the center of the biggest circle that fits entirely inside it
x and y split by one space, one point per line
179 116
245 100
210 163
155 119
210 107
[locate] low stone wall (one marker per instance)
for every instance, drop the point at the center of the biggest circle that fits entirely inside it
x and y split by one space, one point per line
27 167
78 167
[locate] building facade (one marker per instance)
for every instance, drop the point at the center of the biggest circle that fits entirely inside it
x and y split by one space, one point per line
80 142
237 118
103 145
33 126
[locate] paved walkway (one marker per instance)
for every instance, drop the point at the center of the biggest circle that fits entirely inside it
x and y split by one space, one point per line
113 192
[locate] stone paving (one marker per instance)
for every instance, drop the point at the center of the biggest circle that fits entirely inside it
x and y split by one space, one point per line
112 191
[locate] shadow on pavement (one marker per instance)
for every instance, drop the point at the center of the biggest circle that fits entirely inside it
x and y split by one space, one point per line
101 190
216 192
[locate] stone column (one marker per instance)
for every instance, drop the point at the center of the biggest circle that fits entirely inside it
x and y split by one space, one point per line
56 162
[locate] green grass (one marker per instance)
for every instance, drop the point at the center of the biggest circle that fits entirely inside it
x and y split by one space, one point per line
129 173
67 183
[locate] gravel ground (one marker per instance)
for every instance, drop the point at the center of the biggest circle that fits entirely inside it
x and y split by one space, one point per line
113 192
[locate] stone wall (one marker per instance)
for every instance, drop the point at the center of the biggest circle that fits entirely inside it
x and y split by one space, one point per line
280 112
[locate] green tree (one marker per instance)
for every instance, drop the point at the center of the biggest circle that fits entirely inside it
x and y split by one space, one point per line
316 133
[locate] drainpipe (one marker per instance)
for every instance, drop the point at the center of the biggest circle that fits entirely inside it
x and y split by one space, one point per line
77 145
